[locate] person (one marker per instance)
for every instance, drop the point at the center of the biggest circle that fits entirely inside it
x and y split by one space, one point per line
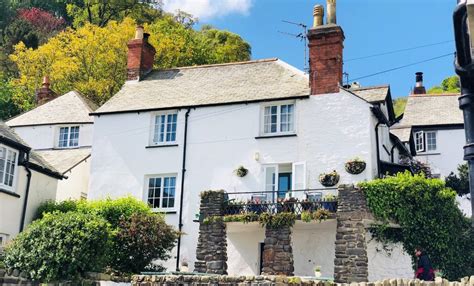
424 269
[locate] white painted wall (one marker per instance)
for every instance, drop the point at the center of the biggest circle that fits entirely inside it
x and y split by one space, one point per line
243 248
331 129
77 183
46 136
449 153
42 188
314 244
395 263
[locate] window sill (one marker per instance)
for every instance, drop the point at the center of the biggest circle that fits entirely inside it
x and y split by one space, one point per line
427 154
161 146
163 211
13 194
276 136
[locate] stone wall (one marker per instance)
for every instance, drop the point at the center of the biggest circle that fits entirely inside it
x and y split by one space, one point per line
277 252
222 280
211 251
351 262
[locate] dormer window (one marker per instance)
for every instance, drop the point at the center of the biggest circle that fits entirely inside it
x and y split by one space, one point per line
425 141
68 137
278 119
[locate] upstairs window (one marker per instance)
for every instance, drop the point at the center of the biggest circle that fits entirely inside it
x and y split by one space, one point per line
165 128
162 192
425 141
278 119
8 159
68 137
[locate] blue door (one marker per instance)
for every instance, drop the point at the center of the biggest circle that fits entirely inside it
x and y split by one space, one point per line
284 184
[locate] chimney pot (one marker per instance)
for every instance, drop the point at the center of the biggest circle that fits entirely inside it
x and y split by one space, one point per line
318 15
139 32
419 88
45 81
44 94
141 55
331 8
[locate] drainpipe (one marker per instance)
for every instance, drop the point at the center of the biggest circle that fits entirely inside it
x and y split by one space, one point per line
391 152
27 191
378 148
181 200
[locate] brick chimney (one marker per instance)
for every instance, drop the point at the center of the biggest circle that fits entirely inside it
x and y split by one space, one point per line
325 51
44 94
140 55
419 88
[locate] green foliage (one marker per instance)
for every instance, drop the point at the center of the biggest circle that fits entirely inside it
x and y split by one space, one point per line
139 240
428 217
244 218
448 85
278 220
399 105
7 107
306 216
60 246
459 182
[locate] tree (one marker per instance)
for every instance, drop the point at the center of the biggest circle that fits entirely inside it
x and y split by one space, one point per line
45 23
92 59
399 105
101 12
448 85
459 183
7 108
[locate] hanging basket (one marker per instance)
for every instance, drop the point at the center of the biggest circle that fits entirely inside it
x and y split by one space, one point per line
355 166
241 171
329 179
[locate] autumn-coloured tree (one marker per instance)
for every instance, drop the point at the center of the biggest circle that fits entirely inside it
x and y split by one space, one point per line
44 22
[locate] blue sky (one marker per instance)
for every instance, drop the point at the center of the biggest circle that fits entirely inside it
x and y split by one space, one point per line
370 27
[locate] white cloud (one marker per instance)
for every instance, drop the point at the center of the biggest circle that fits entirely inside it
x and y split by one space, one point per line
206 9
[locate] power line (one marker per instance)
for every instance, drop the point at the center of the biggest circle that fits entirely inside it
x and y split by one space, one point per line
401 67
398 51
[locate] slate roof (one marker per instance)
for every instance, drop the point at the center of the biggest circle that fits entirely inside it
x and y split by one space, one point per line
71 107
35 158
425 110
403 133
372 94
210 85
65 159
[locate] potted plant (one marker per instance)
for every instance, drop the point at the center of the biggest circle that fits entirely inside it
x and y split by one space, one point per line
329 179
317 271
355 166
306 205
241 171
329 202
287 204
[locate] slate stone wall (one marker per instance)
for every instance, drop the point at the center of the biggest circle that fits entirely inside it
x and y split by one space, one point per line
211 252
277 252
351 262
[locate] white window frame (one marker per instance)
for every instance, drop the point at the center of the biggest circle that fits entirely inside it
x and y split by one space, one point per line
15 170
278 123
153 128
57 137
427 141
419 141
162 177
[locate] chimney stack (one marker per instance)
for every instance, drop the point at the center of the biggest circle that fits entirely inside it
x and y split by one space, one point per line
140 55
44 94
419 88
326 44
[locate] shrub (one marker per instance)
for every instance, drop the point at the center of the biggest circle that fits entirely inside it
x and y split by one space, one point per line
428 217
60 246
141 239
459 183
52 206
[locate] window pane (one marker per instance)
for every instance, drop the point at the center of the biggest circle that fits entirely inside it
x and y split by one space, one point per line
159 133
74 136
154 188
171 128
169 188
63 136
10 170
431 141
3 157
286 118
270 119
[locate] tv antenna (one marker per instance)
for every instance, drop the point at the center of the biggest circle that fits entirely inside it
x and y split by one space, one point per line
302 36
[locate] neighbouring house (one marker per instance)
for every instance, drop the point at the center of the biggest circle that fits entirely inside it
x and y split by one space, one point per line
433 128
26 180
261 130
60 130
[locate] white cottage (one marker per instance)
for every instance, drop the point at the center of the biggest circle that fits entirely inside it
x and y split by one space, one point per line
60 130
26 180
168 135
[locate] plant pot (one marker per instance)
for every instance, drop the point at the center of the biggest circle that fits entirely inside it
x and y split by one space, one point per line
330 179
355 167
317 274
330 206
307 206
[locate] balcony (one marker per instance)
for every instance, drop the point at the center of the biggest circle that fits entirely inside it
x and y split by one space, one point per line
296 202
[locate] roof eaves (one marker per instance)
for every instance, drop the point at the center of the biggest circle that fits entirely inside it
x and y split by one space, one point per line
352 93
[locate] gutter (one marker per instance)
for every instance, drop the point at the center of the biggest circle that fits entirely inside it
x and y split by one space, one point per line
181 199
27 191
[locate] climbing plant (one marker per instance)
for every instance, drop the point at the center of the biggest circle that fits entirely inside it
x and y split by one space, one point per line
428 216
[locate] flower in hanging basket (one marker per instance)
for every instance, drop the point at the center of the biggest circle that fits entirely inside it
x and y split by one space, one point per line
355 166
241 171
329 179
